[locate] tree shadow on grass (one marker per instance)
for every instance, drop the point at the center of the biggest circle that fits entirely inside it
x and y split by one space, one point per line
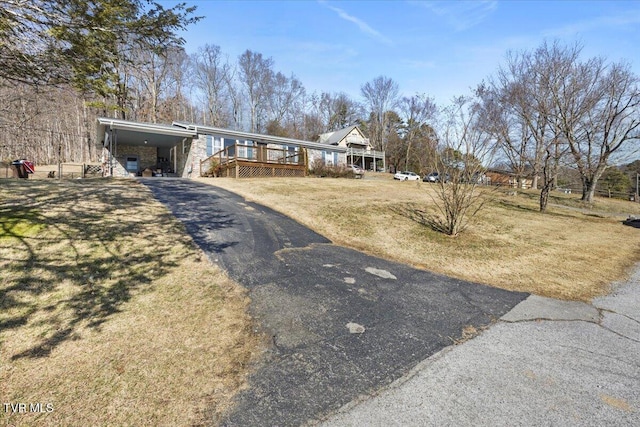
72 254
419 216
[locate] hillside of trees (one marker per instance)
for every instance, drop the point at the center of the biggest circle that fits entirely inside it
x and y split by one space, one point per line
66 62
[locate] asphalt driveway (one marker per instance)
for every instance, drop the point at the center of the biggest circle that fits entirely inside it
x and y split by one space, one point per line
343 324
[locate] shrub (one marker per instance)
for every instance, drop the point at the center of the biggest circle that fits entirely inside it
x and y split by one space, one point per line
320 169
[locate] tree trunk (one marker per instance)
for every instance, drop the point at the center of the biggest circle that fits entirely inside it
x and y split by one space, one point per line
588 190
547 179
544 197
406 160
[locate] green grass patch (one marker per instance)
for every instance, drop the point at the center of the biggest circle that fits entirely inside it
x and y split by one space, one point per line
18 222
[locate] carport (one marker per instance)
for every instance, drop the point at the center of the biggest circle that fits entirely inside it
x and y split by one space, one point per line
133 149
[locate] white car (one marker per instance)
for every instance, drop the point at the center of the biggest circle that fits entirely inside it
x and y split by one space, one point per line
406 176
357 170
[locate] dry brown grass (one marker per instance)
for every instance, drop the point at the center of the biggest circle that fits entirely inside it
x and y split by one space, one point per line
109 313
564 253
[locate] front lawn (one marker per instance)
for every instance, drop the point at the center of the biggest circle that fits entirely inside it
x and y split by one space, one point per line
109 314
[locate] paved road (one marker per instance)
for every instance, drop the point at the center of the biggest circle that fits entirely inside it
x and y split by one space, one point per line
344 324
546 363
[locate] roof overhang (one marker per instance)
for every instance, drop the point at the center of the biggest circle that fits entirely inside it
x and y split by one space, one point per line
267 139
143 134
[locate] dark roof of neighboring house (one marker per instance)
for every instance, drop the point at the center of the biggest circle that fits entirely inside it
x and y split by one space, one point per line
334 138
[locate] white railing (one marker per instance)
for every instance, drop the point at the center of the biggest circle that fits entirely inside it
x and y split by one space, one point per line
351 139
362 152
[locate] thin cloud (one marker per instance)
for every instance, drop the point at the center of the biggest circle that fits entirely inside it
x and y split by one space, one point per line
461 15
602 22
418 64
363 26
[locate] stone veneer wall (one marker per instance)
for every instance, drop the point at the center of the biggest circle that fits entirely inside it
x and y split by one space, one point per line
198 153
192 159
182 153
147 157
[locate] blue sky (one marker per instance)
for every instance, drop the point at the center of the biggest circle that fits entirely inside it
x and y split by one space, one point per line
440 48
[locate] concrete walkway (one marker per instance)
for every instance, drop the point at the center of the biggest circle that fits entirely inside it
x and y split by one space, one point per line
546 363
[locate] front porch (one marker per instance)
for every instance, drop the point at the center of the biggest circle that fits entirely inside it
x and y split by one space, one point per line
366 159
242 160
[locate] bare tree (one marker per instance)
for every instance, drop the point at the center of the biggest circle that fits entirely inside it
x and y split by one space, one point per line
598 108
45 125
285 100
211 74
548 103
418 113
150 81
520 111
340 111
255 73
544 71
381 95
313 124
235 98
463 149
177 103
510 132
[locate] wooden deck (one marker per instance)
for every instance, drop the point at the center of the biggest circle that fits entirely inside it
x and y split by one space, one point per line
253 161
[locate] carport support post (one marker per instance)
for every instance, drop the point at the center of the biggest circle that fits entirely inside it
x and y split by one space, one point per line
175 159
59 160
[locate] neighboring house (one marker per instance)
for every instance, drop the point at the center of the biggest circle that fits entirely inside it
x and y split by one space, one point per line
507 179
188 150
358 150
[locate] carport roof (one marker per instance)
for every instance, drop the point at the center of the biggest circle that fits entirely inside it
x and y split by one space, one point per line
140 134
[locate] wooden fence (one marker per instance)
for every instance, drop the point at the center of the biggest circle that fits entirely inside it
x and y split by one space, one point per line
61 171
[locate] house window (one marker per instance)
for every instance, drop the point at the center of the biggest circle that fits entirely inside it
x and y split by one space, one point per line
292 156
330 158
244 151
228 144
209 145
326 159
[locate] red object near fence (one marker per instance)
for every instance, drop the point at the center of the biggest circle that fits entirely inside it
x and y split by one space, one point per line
22 168
29 166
